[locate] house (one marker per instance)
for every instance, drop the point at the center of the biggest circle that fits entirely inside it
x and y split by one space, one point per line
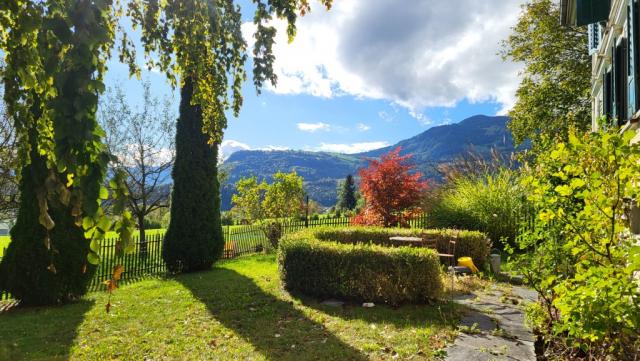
614 36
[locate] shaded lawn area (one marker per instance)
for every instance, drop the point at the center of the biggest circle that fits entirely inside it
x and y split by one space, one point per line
235 311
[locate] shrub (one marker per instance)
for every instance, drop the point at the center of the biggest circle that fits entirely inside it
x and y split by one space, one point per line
152 224
491 202
579 254
472 244
359 272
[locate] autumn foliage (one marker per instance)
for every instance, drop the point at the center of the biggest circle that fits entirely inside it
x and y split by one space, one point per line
391 188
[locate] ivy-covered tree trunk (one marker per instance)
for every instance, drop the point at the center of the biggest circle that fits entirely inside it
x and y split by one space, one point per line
194 239
33 270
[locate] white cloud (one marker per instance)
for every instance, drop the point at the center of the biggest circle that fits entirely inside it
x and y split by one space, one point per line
363 127
313 127
385 116
420 117
421 54
351 148
275 147
230 146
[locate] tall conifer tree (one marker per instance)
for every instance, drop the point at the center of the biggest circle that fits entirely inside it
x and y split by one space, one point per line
194 239
348 194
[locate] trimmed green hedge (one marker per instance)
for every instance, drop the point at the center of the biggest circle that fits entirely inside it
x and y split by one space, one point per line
360 272
472 244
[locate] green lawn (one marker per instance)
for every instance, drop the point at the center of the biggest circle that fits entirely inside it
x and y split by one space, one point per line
4 242
235 311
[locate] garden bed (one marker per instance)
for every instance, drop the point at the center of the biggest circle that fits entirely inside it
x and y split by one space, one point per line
472 244
361 264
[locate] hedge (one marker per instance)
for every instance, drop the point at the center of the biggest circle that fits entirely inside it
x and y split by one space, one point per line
359 272
472 244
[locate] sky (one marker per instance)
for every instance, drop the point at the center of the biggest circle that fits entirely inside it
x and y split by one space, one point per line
369 73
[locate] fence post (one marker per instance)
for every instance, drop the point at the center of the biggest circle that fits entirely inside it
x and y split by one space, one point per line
306 217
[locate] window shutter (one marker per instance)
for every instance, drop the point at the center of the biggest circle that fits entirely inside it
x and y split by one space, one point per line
620 81
630 59
594 31
614 83
607 95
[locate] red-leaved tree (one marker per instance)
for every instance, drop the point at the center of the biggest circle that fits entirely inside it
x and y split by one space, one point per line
391 189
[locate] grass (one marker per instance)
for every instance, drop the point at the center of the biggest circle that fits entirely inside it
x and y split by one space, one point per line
4 242
235 311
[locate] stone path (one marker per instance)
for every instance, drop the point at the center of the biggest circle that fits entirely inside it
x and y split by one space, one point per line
493 328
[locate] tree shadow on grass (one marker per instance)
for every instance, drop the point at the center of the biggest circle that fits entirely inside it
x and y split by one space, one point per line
274 327
41 333
409 315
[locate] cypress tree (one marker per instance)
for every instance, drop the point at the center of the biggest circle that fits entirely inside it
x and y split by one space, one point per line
348 199
32 271
194 239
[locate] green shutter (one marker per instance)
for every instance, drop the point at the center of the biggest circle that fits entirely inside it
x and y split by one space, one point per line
592 11
631 58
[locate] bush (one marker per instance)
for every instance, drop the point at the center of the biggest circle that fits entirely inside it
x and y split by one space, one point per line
226 219
494 203
359 272
472 244
579 255
152 224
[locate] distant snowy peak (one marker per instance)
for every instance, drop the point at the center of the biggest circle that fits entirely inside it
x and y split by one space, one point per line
229 147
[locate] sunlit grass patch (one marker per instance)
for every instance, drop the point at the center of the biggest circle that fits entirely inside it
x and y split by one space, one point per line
235 311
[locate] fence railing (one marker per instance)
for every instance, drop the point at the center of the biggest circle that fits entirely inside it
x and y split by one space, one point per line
239 240
139 263
3 294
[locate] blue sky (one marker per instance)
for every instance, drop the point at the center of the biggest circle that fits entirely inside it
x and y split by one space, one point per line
368 74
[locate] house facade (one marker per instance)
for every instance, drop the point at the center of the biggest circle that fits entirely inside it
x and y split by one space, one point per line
614 39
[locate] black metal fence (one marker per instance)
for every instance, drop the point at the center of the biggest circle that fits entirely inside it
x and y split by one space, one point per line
4 295
239 240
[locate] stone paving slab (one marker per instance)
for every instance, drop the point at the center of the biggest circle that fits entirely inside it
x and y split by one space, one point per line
483 347
495 327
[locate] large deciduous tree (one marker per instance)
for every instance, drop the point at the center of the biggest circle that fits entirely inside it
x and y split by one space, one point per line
55 54
553 95
270 203
201 42
142 142
247 199
391 188
8 164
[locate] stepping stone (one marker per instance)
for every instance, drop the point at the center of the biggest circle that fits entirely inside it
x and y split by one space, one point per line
332 303
503 335
489 347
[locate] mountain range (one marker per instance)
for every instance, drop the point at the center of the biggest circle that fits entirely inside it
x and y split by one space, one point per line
322 171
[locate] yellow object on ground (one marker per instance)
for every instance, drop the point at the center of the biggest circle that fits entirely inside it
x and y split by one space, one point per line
467 262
